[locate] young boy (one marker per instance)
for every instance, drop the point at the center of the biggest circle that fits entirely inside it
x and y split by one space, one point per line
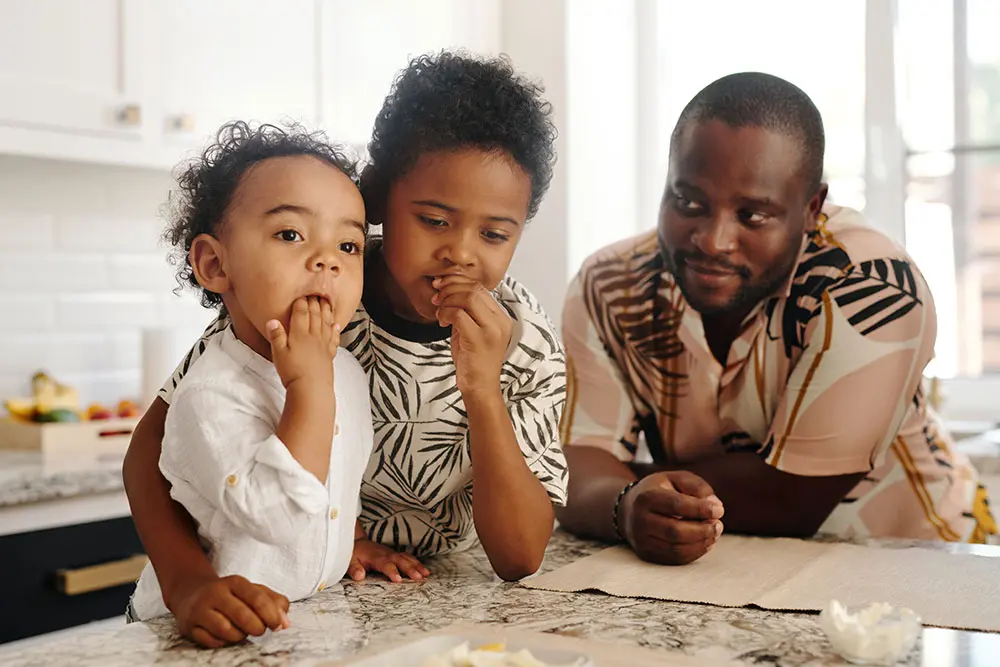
269 434
466 373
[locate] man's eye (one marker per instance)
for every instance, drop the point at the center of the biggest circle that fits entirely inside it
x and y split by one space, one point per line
685 204
289 235
433 222
753 217
495 237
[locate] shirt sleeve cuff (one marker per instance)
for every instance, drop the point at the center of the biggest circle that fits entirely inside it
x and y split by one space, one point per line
297 483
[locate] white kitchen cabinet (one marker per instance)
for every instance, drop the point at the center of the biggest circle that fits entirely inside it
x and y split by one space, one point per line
216 61
146 82
365 44
65 65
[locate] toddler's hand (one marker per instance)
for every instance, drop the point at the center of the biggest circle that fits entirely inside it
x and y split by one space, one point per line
225 610
307 350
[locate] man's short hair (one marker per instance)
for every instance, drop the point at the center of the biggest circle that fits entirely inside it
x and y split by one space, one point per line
755 99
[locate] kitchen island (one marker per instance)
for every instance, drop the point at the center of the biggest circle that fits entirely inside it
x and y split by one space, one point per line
345 619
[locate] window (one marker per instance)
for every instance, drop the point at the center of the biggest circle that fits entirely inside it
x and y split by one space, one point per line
949 101
781 37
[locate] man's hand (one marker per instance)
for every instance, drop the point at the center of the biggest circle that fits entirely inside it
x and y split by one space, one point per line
480 332
671 518
371 556
225 610
307 349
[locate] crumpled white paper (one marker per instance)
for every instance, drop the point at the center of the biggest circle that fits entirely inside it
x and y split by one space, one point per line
879 634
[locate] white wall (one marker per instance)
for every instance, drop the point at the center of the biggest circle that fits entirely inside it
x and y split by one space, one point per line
533 35
585 53
81 272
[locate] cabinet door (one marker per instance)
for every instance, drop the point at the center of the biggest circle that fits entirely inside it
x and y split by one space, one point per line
365 44
210 62
63 67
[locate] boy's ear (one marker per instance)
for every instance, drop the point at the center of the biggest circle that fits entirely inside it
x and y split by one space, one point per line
206 258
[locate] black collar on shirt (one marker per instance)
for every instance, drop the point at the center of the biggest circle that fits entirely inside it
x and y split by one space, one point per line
375 299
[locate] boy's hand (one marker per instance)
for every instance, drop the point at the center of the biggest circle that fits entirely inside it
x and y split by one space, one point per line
307 350
374 557
480 333
225 610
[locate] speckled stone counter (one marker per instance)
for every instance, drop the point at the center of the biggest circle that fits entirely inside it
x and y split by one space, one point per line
344 619
25 479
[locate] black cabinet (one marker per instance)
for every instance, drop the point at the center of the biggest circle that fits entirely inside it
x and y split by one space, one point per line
61 577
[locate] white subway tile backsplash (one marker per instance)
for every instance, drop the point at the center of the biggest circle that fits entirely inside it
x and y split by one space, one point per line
148 272
27 312
106 234
27 231
52 272
107 311
82 271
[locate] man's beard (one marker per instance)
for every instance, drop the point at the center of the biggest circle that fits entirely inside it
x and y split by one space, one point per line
750 293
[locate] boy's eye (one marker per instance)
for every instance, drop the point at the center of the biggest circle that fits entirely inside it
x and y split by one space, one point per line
433 222
289 235
350 247
495 237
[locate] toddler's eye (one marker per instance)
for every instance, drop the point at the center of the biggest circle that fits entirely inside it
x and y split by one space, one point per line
289 235
350 247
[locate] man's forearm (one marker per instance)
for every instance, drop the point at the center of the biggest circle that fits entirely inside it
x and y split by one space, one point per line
596 478
511 509
761 500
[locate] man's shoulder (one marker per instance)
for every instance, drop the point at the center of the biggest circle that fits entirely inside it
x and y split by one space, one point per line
860 241
638 254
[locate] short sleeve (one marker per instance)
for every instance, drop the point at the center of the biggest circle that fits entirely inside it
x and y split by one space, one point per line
865 350
599 411
535 401
166 392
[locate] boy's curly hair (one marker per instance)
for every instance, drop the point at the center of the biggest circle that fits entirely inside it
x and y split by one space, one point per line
206 184
454 100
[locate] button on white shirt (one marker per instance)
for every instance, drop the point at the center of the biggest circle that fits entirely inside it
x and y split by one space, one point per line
259 512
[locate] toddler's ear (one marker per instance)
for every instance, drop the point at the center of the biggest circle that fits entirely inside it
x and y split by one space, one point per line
206 257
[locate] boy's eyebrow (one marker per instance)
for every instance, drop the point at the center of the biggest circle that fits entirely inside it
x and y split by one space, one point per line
451 209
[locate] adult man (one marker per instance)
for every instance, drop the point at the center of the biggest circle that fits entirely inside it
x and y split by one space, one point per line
768 348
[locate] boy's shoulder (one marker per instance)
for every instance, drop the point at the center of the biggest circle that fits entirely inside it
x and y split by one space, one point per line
533 330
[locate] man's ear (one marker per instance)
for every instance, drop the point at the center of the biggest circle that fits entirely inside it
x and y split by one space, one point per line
207 263
816 207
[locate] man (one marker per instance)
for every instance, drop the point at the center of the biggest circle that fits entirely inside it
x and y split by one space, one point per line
767 348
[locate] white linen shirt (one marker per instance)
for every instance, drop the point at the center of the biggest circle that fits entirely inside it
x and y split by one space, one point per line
260 514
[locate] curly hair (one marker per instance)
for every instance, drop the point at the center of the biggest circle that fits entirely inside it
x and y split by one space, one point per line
206 184
454 100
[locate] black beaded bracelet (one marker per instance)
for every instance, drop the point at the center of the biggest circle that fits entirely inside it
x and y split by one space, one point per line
618 504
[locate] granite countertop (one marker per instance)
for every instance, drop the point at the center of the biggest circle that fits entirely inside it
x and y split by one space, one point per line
25 478
346 618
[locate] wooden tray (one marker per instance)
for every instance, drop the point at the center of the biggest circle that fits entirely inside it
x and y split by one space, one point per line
81 443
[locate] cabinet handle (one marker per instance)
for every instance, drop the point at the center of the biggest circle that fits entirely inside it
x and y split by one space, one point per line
181 123
130 114
99 577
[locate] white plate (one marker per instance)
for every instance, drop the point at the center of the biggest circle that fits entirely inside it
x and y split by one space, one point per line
414 653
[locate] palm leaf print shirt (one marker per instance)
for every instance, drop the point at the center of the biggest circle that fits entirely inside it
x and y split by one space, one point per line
823 379
416 493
